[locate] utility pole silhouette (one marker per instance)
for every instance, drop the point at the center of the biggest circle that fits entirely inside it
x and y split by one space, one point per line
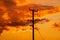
33 11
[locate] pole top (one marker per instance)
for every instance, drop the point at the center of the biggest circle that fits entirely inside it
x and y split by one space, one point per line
33 9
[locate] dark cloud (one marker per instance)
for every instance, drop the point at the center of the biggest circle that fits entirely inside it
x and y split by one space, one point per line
1 12
15 24
8 3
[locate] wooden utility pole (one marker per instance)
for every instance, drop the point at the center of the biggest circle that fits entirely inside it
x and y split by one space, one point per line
33 10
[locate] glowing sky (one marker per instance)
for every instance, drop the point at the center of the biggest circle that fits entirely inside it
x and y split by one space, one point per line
46 29
45 2
48 2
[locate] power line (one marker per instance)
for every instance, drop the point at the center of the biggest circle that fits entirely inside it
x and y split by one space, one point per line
33 11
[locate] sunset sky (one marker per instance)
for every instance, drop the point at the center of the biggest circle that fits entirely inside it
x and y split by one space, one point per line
47 30
47 2
44 2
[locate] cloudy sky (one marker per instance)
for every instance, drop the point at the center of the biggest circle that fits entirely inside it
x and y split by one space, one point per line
44 2
47 2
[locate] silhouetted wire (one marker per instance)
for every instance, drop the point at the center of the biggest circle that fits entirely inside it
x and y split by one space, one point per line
33 23
40 35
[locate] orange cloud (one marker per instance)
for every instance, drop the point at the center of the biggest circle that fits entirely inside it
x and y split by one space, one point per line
20 1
